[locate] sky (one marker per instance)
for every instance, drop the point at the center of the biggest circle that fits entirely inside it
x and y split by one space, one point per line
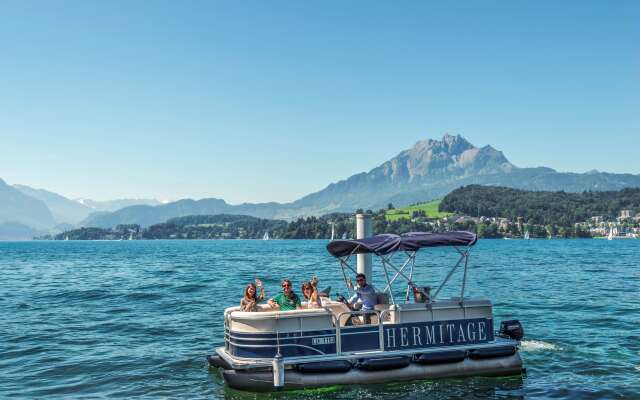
254 101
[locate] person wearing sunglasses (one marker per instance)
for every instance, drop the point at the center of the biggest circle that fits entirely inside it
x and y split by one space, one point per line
287 300
365 295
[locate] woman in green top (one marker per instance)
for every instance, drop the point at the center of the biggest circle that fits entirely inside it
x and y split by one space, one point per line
287 300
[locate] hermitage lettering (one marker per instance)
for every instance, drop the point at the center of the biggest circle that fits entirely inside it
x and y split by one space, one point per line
438 333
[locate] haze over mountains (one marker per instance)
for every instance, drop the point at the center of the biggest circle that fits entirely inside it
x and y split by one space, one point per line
71 212
428 170
25 211
16 206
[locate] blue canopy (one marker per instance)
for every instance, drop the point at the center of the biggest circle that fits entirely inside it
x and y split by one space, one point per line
389 243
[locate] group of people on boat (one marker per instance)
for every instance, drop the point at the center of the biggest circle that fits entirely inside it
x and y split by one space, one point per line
365 295
286 300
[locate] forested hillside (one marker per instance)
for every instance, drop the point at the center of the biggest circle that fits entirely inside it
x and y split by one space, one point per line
538 207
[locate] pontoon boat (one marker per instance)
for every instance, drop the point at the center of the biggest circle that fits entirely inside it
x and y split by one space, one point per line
425 338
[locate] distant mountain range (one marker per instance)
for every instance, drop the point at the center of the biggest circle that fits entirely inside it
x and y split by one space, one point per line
17 207
63 210
71 212
428 170
113 205
25 211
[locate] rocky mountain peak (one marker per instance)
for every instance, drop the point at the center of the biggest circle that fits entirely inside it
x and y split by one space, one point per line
450 144
452 156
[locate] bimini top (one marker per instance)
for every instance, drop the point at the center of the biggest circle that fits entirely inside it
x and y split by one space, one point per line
389 243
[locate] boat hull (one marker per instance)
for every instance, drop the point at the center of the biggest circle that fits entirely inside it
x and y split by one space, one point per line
262 380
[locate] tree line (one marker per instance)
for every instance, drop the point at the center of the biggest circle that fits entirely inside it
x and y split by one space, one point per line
538 207
474 208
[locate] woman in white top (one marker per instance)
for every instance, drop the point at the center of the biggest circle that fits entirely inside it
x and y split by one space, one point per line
310 292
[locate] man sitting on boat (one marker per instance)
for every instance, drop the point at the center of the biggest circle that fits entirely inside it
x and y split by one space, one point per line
286 300
365 296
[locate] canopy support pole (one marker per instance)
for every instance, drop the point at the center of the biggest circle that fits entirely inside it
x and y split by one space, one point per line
462 257
386 275
344 262
411 256
464 277
413 264
399 271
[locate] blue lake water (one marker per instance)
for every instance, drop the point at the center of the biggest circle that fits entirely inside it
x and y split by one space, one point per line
136 319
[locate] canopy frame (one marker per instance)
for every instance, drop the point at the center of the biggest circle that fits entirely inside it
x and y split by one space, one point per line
399 271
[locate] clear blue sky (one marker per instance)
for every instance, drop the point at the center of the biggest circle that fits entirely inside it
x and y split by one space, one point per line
271 100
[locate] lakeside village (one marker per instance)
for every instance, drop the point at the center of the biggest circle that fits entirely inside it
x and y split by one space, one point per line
489 211
625 226
340 225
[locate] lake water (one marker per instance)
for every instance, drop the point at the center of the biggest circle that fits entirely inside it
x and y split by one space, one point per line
137 319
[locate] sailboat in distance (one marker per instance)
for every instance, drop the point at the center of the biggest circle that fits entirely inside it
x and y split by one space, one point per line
526 235
610 236
266 236
333 231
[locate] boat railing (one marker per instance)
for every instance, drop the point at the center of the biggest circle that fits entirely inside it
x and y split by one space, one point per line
339 327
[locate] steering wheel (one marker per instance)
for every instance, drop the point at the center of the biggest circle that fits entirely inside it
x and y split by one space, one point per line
344 301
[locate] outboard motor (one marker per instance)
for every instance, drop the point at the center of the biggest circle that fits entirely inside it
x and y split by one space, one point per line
512 329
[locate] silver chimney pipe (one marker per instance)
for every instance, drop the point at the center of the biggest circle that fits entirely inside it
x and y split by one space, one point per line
364 229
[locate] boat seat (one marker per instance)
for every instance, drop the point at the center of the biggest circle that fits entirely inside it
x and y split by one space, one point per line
336 308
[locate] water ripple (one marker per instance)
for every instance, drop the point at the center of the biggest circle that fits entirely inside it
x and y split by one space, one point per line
136 319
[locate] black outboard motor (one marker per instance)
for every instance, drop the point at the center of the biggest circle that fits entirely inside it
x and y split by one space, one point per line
512 329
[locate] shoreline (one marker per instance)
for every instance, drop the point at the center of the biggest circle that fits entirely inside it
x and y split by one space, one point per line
278 239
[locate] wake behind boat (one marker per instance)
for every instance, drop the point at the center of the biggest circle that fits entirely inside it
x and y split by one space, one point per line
396 341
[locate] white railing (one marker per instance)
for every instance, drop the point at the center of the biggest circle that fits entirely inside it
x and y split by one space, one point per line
337 322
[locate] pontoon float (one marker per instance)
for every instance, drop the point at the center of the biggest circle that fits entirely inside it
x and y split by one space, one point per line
427 338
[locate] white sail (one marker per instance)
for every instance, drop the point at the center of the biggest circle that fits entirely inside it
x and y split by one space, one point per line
344 235
526 235
333 231
610 237
266 236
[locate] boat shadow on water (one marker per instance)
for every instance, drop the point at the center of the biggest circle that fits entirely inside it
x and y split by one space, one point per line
508 387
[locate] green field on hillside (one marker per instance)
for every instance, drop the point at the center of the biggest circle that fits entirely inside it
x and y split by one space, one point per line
430 209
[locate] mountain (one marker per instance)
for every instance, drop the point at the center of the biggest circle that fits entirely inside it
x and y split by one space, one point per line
71 212
113 205
429 170
16 231
17 207
145 215
433 168
64 210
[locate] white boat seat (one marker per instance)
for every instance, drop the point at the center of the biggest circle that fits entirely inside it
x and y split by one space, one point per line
337 308
382 298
